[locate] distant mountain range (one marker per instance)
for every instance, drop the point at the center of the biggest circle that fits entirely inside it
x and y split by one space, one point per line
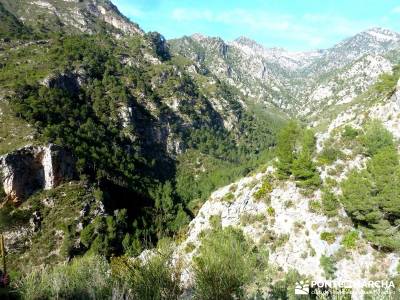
301 83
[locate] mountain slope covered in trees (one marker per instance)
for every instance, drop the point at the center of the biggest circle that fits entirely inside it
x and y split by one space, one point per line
151 134
160 133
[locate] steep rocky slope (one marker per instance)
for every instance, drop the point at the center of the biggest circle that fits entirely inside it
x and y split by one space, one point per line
287 226
292 224
301 83
89 16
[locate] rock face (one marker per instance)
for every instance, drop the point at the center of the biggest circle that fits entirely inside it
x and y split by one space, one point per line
32 168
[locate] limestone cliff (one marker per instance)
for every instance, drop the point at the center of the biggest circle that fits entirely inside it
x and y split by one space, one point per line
32 168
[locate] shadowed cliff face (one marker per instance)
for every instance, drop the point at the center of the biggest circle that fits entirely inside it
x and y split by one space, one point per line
32 168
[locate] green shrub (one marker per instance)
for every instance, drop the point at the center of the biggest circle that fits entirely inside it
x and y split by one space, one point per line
189 247
330 204
264 191
250 218
314 206
224 266
285 288
350 133
271 211
156 278
329 155
331 182
215 221
11 218
84 278
280 241
229 197
376 138
328 265
350 240
329 237
386 82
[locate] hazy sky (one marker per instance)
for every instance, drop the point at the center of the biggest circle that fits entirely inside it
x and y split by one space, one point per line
292 24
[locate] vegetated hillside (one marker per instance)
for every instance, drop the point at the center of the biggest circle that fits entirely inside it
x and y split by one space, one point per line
112 141
10 26
325 210
151 134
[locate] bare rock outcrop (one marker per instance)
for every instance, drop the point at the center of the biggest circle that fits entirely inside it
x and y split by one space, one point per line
33 168
69 81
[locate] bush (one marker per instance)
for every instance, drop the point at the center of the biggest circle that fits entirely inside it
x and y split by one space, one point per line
13 218
349 133
224 266
329 155
153 278
330 204
314 206
229 197
386 82
376 138
271 211
285 288
350 240
85 278
328 265
329 237
264 191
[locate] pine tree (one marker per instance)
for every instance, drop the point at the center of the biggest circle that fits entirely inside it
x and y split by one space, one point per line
285 149
303 167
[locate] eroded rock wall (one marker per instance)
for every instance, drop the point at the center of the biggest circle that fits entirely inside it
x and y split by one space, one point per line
32 168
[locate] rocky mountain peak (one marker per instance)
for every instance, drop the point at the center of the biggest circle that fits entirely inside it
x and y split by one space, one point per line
245 41
382 34
199 37
374 40
72 16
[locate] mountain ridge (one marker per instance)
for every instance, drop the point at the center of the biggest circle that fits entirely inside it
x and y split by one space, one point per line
265 74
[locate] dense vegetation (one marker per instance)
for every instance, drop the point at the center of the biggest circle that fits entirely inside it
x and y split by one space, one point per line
371 196
295 149
228 266
147 192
